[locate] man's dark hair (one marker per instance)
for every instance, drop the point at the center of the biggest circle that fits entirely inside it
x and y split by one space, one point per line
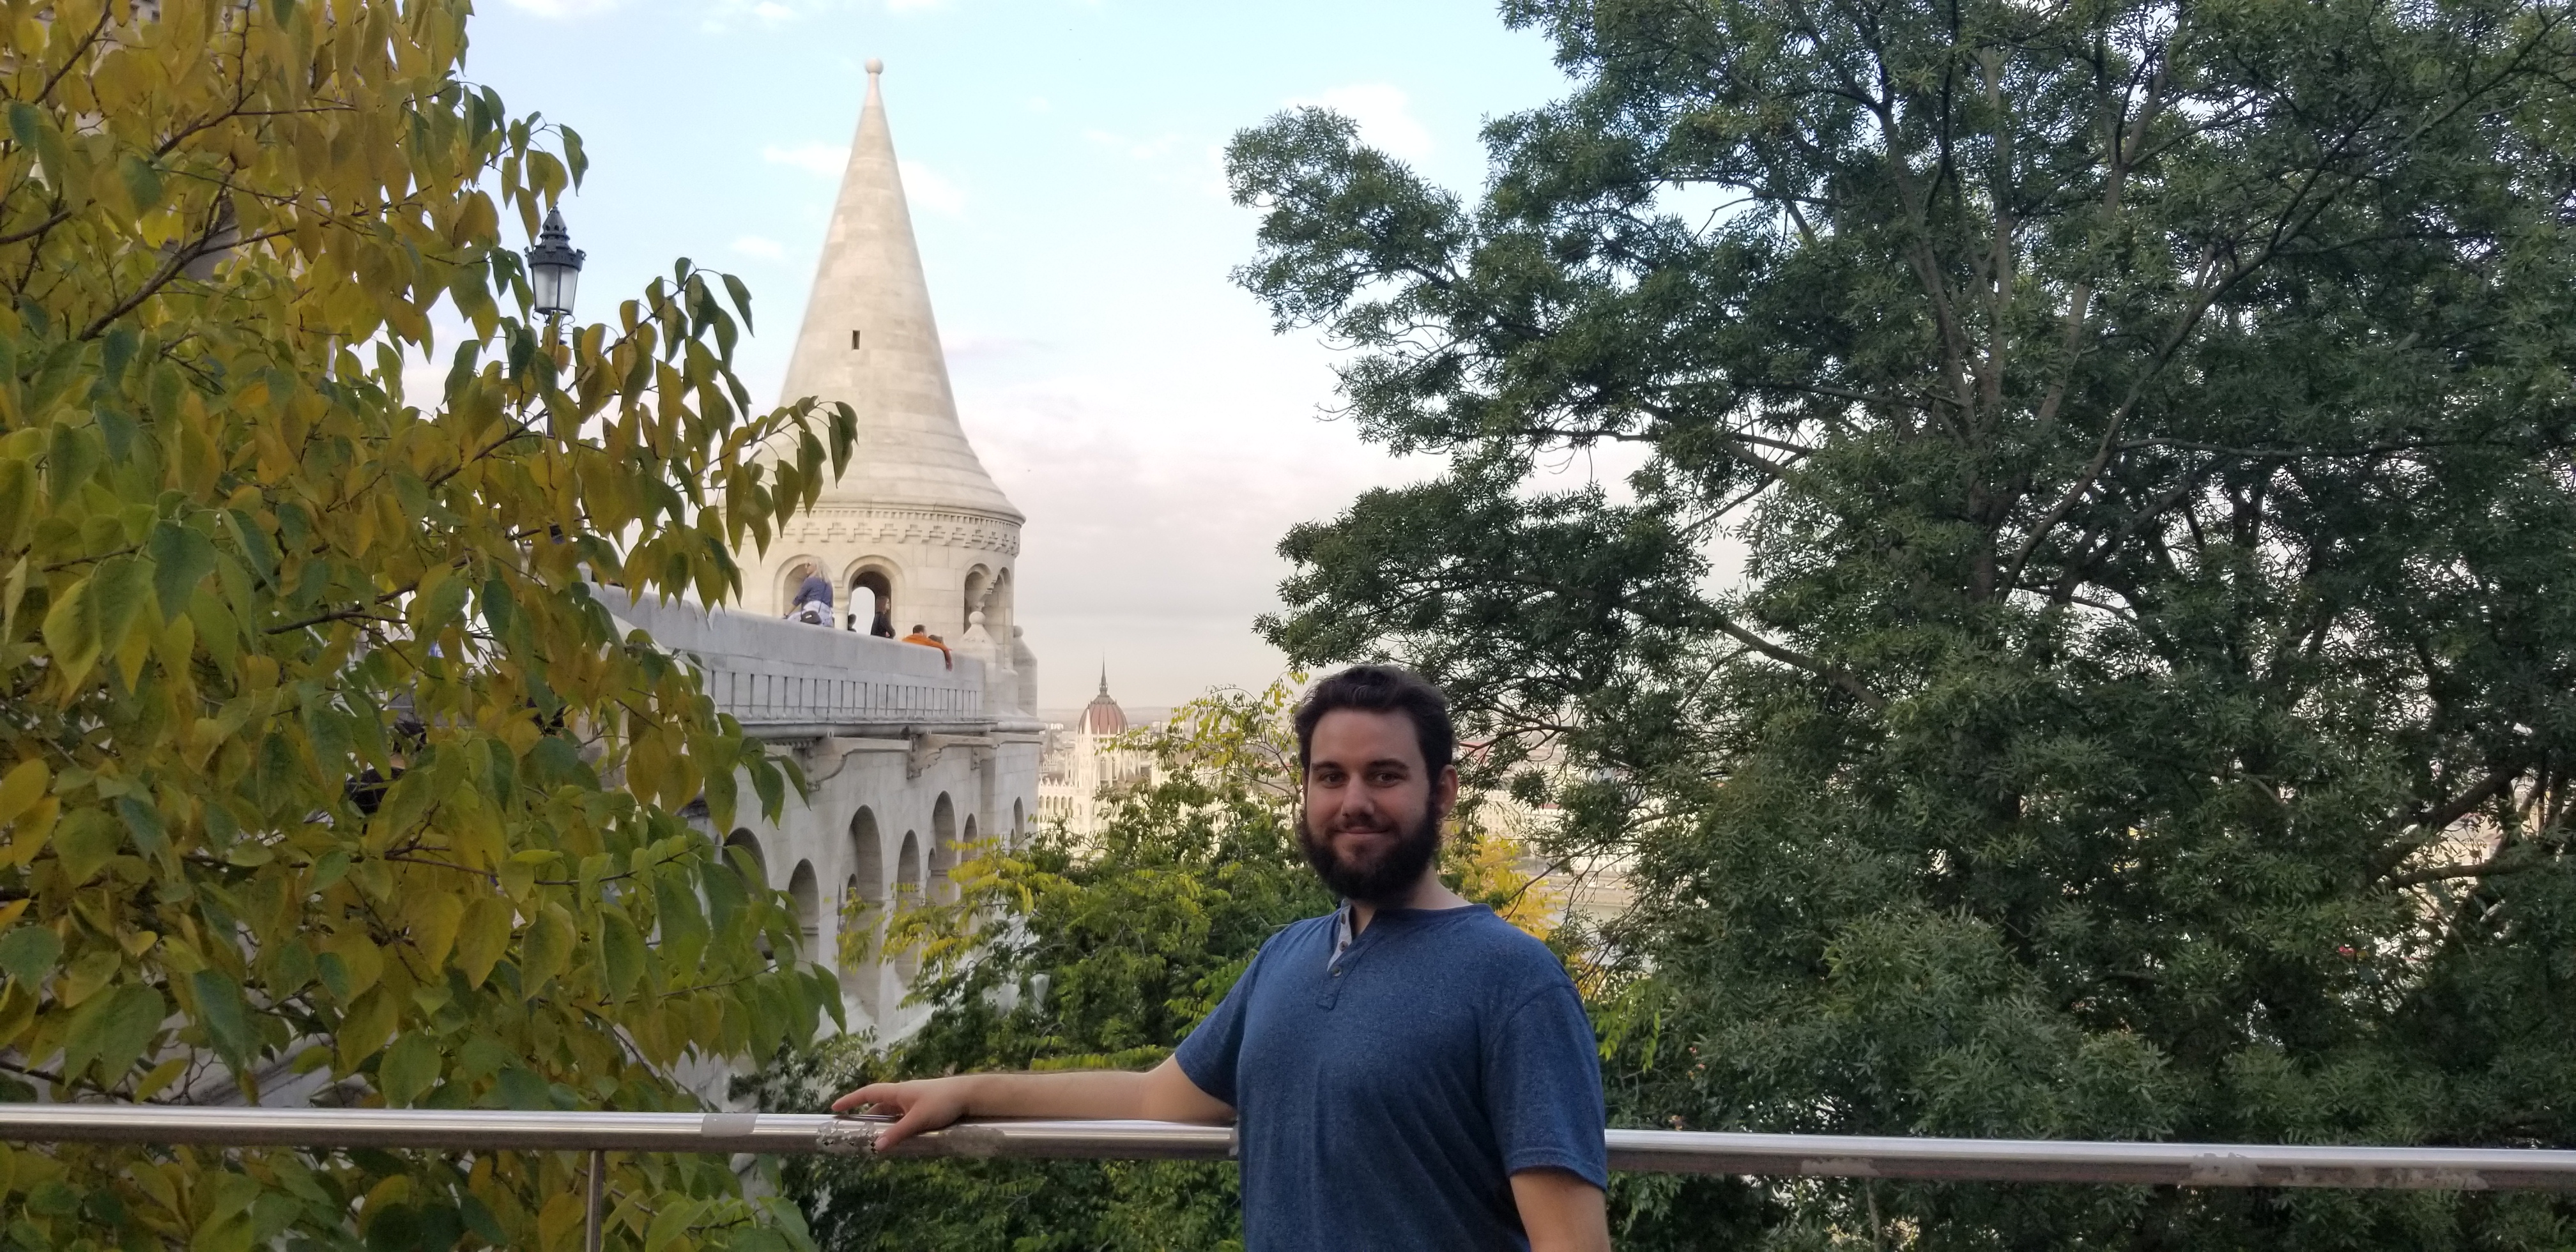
916 628
1381 689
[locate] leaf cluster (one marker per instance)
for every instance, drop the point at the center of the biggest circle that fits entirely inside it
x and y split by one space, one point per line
327 772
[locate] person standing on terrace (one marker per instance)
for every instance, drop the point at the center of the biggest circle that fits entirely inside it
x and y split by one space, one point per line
1408 1071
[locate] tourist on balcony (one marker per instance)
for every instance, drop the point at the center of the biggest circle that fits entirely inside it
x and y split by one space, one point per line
930 641
1408 1071
813 603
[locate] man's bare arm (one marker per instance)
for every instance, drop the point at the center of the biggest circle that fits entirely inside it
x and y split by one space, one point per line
1561 1212
1162 1094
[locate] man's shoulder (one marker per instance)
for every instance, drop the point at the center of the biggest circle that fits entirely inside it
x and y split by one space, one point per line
1481 941
1305 932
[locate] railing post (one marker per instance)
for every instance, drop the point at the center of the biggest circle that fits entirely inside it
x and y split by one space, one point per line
598 1159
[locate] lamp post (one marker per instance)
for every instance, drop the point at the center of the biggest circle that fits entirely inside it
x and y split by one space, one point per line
554 266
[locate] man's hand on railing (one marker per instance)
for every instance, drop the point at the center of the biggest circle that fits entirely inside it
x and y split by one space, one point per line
926 1104
1162 1094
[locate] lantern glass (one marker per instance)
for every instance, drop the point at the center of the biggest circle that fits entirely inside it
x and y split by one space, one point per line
554 287
554 267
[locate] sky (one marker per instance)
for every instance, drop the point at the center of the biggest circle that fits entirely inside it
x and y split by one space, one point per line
1062 159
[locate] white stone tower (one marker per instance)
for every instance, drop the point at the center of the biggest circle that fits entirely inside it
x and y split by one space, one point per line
916 522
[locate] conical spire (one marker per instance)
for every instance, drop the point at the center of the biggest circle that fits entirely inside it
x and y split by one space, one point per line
869 338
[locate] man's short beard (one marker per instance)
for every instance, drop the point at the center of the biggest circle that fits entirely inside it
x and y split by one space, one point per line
1392 877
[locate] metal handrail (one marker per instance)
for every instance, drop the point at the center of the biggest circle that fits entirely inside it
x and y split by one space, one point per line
1644 1151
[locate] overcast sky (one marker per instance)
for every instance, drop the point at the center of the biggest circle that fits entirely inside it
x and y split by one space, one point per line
1062 161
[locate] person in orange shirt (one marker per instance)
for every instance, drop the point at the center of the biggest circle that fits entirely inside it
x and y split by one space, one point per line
931 641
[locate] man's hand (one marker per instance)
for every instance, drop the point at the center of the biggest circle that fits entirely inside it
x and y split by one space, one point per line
925 1104
1161 1094
1561 1212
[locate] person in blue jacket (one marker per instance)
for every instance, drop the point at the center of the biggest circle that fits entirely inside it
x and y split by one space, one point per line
813 600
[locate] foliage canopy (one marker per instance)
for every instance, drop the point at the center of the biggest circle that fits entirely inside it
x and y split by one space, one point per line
325 771
2087 648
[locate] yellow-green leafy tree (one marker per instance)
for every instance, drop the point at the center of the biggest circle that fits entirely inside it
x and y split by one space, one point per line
325 772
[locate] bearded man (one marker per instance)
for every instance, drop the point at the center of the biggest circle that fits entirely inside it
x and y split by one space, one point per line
1407 1072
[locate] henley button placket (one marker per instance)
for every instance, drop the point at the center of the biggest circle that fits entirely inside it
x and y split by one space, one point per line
1341 965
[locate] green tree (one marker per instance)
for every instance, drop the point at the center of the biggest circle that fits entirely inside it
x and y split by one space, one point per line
323 766
2142 706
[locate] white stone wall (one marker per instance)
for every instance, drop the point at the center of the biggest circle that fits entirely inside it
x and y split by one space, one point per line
909 763
778 677
886 820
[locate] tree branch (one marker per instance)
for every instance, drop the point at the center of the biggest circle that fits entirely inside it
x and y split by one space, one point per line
1834 674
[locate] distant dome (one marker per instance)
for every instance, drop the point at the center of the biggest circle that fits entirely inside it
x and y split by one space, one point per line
1103 716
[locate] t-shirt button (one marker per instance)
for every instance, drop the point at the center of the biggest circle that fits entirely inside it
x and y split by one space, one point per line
1337 972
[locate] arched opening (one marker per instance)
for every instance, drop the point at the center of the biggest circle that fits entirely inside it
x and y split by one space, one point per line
1019 824
791 576
867 858
943 849
742 839
907 894
805 893
863 911
998 618
979 584
873 612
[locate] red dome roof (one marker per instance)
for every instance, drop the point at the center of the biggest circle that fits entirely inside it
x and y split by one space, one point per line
1103 716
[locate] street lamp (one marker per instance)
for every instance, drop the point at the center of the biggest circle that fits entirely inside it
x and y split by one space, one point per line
554 266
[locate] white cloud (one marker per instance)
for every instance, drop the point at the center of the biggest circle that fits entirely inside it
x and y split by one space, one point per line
1135 149
727 16
566 9
819 158
1385 115
1104 453
932 190
982 350
754 245
908 6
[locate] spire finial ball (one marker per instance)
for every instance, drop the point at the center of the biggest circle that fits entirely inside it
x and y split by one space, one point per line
875 66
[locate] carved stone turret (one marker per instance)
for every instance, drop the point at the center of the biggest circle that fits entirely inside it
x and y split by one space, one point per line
916 524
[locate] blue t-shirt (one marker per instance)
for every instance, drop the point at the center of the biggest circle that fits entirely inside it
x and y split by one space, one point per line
1385 1097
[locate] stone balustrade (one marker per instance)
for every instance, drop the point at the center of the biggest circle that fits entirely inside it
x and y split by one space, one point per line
784 679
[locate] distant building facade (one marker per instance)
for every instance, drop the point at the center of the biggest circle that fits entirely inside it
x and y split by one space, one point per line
1085 756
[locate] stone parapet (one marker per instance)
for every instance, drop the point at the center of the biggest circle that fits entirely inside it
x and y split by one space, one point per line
788 679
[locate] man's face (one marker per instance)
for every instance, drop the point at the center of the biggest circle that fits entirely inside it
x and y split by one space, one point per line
1371 821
